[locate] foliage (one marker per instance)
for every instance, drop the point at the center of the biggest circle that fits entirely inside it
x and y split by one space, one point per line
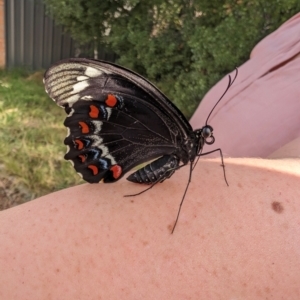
182 46
32 134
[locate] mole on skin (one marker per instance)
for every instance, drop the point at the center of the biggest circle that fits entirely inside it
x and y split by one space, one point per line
277 207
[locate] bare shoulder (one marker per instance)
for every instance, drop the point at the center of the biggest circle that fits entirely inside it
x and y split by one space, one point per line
90 242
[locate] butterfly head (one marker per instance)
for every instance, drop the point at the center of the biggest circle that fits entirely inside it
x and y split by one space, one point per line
207 134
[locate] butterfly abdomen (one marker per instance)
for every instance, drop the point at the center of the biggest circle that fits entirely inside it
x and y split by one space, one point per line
156 171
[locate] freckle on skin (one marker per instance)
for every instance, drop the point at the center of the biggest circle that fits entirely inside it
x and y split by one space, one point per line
277 207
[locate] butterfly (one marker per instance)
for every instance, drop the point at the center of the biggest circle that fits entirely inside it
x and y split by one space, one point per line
117 120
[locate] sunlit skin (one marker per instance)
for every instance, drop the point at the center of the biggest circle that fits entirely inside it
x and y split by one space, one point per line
89 242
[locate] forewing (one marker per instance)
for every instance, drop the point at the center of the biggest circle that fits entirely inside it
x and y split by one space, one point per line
114 124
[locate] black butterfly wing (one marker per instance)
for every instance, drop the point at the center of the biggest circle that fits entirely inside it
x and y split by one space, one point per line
114 142
116 119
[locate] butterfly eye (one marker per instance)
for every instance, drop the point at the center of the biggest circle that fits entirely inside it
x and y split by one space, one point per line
207 133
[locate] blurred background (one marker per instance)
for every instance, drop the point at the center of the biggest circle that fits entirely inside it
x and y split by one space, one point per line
183 47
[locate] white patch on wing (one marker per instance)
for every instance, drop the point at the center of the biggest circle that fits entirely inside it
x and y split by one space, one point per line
112 159
68 149
108 109
81 78
98 126
70 100
68 132
71 162
71 113
86 97
98 143
92 72
80 86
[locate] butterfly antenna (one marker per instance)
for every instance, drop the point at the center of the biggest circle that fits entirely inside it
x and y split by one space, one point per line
228 86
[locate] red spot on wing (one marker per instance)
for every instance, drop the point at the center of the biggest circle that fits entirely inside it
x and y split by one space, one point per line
117 171
111 100
94 169
79 144
94 111
84 127
82 157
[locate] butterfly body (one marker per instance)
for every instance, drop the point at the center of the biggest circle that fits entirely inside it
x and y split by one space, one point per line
156 171
164 167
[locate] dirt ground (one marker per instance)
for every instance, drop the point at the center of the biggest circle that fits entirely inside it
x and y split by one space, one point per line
12 193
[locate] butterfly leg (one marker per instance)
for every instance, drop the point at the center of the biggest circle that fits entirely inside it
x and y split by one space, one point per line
221 155
190 177
183 197
143 191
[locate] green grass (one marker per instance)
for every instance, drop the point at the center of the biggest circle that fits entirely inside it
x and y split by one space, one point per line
32 134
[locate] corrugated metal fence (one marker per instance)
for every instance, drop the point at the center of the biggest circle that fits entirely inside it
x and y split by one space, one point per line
34 41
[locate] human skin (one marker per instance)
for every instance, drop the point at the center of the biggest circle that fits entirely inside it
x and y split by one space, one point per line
89 242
